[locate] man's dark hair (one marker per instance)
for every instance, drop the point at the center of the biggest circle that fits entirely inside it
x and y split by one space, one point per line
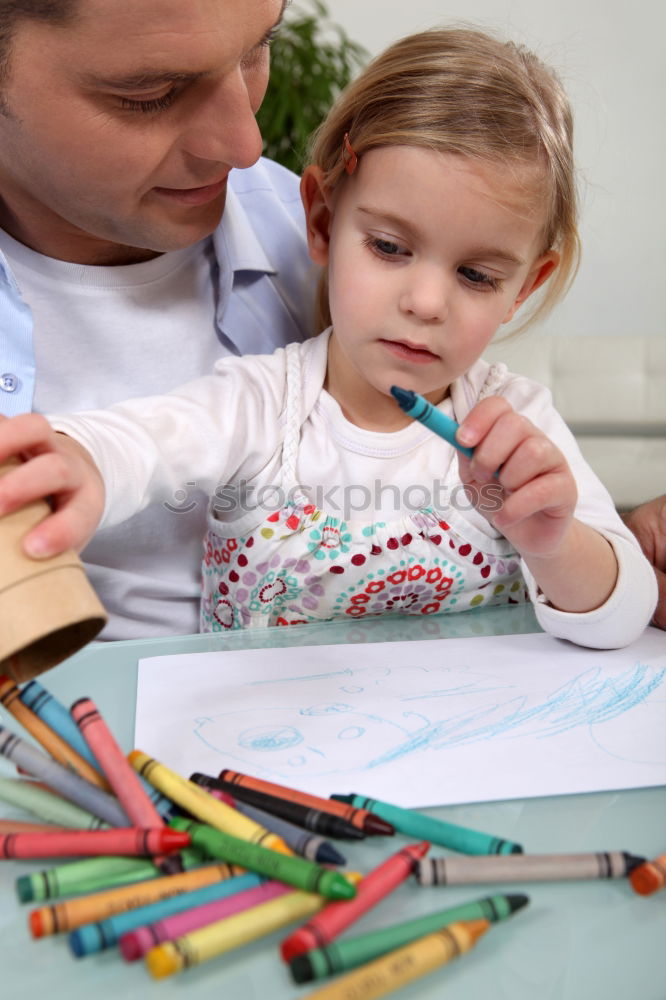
14 11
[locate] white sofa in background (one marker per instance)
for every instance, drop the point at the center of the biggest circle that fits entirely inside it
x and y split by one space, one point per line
612 393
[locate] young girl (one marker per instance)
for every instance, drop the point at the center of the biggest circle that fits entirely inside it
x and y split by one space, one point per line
439 198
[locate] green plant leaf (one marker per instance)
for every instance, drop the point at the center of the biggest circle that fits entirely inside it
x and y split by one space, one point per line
312 60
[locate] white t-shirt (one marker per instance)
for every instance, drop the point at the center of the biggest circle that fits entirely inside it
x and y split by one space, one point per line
135 320
93 336
144 447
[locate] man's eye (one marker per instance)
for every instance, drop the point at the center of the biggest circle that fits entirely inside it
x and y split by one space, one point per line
152 105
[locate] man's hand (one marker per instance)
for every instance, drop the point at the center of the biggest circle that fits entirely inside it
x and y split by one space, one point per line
648 523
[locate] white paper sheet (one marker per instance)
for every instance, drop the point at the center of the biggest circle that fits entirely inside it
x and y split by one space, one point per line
423 723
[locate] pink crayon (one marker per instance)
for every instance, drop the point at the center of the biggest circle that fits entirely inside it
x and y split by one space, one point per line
135 944
118 771
120 774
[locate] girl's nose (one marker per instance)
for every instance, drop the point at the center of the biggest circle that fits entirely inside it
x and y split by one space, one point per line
425 295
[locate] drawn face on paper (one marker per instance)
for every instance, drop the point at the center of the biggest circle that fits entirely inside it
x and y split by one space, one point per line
321 739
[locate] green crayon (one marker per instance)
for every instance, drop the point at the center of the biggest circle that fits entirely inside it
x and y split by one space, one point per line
48 806
293 870
415 824
93 875
349 953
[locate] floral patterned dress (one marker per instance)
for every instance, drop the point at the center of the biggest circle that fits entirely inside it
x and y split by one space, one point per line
301 565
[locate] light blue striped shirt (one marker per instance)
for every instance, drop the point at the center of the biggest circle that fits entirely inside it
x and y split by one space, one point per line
265 283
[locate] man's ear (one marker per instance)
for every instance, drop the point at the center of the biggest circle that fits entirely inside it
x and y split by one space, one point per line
316 200
541 270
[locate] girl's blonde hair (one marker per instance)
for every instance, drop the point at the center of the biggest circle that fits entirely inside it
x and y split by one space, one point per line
465 92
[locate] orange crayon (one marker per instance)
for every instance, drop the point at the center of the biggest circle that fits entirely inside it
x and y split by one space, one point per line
54 744
19 826
97 906
650 876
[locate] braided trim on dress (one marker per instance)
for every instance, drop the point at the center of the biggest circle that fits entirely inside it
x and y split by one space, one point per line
293 416
494 380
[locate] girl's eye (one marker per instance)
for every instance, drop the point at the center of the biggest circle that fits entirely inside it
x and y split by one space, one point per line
385 248
479 278
152 105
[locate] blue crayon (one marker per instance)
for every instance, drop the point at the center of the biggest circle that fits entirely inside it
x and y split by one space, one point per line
307 844
91 938
35 697
437 831
42 703
420 409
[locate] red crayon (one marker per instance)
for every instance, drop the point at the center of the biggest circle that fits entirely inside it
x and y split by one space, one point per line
336 917
118 771
91 843
362 819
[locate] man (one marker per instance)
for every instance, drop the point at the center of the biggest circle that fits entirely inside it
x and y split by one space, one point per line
127 129
648 523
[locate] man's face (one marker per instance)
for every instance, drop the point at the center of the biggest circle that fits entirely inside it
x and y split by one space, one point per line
119 129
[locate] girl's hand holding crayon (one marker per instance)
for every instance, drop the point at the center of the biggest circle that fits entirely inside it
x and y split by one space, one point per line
574 565
54 466
538 489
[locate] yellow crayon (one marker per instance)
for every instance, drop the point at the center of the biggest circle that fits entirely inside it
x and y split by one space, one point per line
231 932
52 742
97 906
404 965
202 805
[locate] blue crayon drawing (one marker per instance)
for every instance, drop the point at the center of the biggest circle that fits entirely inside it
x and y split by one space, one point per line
326 728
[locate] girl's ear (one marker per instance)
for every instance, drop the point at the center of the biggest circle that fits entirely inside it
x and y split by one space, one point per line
541 270
316 200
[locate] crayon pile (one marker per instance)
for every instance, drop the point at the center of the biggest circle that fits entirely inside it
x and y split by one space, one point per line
179 871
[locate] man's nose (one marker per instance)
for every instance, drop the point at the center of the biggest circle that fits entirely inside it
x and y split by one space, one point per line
224 127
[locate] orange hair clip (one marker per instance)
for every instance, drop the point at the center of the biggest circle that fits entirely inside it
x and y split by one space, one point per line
349 157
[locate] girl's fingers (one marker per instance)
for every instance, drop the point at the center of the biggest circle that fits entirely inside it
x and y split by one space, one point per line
508 432
46 474
553 495
69 528
27 434
534 456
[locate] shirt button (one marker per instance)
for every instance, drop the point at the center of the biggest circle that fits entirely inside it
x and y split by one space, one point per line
9 382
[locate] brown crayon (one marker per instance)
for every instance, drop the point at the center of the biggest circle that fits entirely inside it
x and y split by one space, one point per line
360 818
